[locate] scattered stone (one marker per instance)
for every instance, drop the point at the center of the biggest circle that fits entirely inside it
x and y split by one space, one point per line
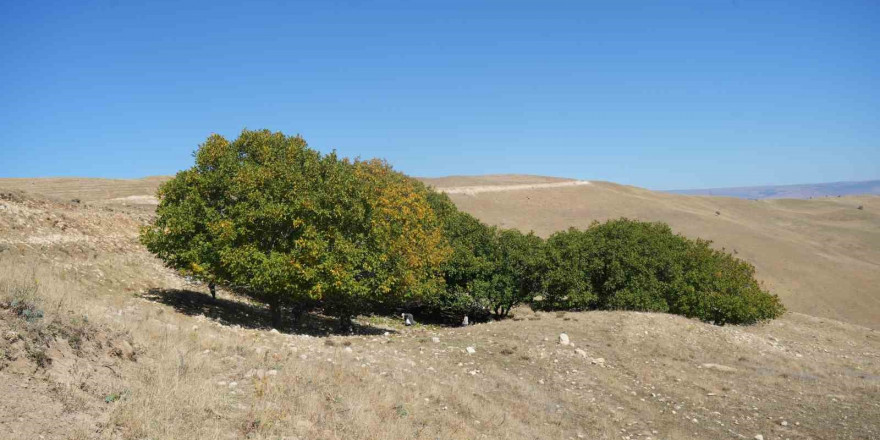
563 339
272 372
582 353
233 384
435 340
471 350
719 367
408 319
598 361
783 423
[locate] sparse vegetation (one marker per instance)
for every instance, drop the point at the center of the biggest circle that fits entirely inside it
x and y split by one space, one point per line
21 299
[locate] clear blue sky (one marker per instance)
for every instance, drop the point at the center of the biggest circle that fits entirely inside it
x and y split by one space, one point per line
660 94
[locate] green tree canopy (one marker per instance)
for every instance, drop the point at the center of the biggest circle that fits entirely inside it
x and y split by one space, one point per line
632 265
273 219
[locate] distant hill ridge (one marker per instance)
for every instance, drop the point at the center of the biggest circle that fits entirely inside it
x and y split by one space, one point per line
801 191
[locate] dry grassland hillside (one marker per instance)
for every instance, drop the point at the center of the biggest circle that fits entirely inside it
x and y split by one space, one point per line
821 256
99 341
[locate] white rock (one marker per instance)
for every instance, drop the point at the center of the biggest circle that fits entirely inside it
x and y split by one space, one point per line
347 349
719 367
274 331
784 423
598 361
471 350
759 437
582 353
272 372
563 339
233 384
435 339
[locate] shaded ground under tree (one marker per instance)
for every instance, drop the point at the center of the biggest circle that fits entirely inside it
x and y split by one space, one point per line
251 315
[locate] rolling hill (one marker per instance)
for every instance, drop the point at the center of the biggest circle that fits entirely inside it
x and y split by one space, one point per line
821 256
123 348
803 191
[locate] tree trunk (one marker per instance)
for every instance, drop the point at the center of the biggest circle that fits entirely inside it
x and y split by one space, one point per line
345 323
213 289
275 310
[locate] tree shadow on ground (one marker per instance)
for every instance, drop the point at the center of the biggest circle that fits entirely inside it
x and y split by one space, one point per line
252 316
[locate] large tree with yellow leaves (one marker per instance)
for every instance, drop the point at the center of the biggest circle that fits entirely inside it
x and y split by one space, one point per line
269 217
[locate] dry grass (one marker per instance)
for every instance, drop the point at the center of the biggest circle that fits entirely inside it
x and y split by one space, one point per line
821 256
820 376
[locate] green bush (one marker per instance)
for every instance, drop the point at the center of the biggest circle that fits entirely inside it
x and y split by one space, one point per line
517 270
490 270
631 265
468 267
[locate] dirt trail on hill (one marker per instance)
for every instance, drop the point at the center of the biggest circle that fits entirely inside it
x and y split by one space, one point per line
498 188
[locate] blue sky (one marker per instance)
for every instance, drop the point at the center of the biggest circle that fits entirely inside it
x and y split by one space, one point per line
661 94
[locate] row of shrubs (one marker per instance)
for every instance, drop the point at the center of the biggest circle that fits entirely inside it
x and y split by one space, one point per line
268 217
621 264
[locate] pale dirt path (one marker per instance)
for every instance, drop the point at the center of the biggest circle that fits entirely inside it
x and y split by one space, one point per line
470 190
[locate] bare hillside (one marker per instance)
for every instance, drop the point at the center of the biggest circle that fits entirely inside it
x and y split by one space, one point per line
821 256
84 189
807 191
111 345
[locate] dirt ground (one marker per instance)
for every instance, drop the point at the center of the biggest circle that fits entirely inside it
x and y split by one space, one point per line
131 351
